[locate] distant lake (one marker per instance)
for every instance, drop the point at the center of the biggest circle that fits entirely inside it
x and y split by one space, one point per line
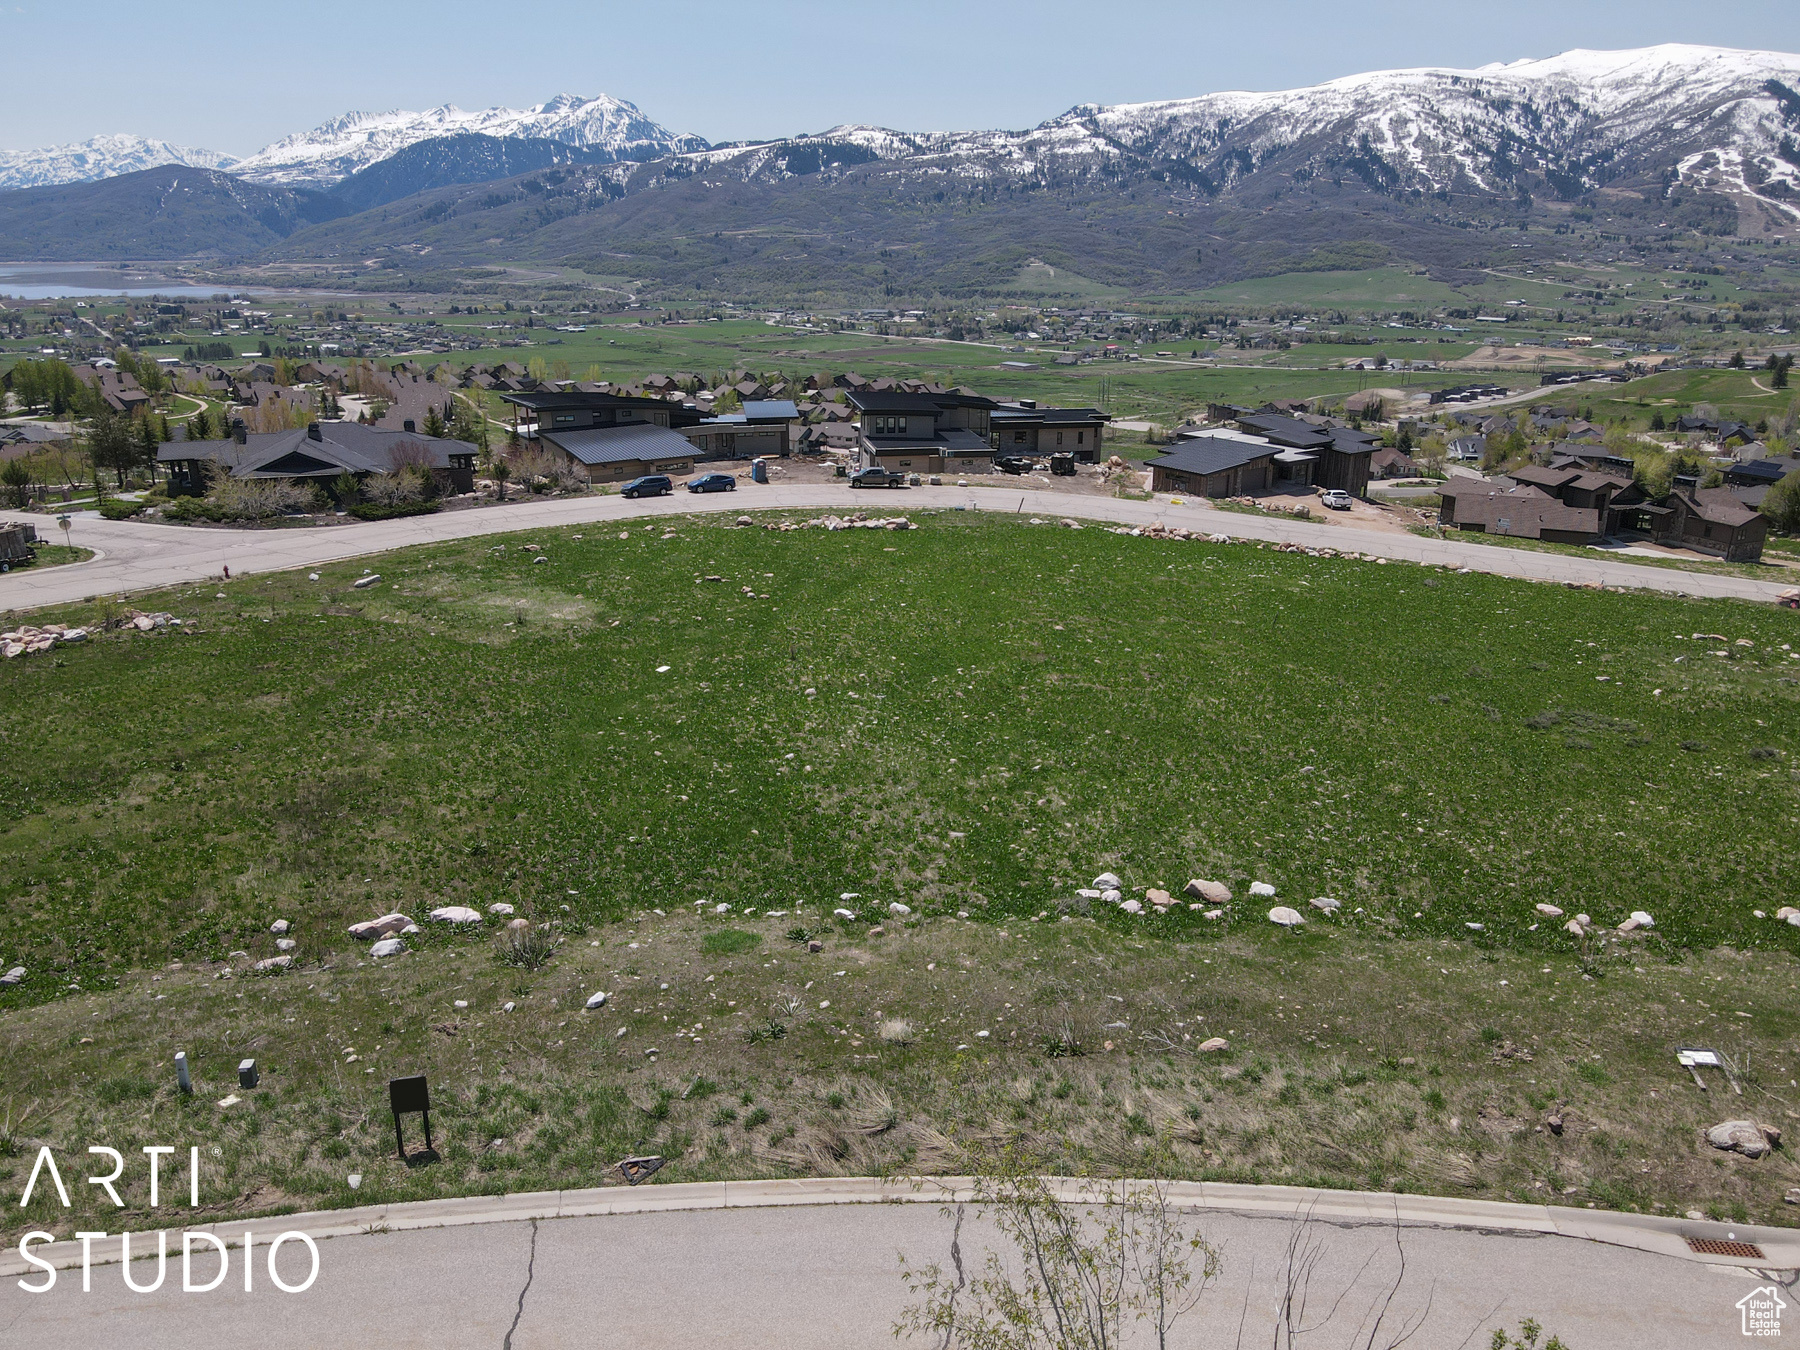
49 281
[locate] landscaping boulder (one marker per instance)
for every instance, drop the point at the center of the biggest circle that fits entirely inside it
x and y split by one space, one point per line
843 914
1161 899
1107 881
1212 1044
1132 907
1261 888
458 914
1549 911
14 976
382 927
1325 903
1111 897
279 927
898 910
363 583
1574 927
595 1001
1286 917
517 925
274 964
500 907
1212 891
285 944
388 947
1744 1136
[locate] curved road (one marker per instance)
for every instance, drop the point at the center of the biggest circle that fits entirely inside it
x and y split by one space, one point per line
796 1272
138 557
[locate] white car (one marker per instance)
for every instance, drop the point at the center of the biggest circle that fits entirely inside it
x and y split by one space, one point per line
1337 499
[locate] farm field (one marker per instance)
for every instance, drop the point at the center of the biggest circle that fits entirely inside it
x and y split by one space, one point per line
973 719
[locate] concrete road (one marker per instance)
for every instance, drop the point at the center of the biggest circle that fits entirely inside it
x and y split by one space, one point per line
799 1278
138 557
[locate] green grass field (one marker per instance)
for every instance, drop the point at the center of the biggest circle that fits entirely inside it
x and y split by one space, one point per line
974 717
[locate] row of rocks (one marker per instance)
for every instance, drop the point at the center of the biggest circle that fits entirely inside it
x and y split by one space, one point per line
30 639
1582 925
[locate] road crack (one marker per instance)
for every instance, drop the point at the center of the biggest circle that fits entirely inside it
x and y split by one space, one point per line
530 1269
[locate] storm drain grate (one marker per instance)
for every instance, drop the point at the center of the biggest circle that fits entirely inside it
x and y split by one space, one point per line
1714 1247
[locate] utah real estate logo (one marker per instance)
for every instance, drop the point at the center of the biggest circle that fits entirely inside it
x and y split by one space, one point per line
1761 1309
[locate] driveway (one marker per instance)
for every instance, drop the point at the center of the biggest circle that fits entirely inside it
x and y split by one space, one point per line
141 557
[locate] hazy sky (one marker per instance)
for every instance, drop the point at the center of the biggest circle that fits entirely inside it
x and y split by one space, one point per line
236 76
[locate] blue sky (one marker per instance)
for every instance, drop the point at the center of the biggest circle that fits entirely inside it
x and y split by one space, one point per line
235 76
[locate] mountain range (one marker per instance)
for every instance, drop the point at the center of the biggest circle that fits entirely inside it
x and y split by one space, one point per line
1408 165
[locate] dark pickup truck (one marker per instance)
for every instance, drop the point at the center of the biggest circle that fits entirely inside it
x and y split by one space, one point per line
877 477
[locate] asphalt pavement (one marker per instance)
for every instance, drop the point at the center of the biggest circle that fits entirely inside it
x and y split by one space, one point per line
134 556
801 1278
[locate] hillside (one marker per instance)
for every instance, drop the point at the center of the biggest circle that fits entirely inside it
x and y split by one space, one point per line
444 161
168 212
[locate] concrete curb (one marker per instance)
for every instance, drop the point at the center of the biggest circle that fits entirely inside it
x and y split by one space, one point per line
1647 1233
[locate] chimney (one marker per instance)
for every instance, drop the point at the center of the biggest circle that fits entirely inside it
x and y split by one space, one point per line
239 432
407 425
313 433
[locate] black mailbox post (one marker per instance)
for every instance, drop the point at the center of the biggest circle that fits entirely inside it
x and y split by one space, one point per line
409 1094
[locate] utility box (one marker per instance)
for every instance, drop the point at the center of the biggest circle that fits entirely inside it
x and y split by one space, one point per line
247 1075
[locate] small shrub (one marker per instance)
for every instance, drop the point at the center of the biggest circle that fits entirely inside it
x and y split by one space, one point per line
1544 720
896 1031
114 509
527 948
1063 1044
835 1100
729 942
723 1117
757 1116
799 934
1491 1035
1765 752
1593 1073
1434 1099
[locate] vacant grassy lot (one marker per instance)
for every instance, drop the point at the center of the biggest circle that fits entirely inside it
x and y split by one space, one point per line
974 718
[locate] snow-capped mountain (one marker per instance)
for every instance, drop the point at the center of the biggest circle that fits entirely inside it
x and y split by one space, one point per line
101 157
1714 117
333 152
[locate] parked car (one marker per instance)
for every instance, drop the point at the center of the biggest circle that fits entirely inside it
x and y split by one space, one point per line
1014 464
713 482
650 485
877 477
1337 499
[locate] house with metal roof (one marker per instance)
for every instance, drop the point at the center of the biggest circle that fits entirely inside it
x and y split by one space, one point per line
616 453
764 427
1215 464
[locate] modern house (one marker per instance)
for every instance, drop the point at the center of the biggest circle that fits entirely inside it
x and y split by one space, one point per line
612 454
764 427
545 411
1023 428
1751 479
318 453
1215 464
1321 455
924 433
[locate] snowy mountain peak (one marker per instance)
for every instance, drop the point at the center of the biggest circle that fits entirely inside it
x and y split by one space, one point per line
340 147
100 157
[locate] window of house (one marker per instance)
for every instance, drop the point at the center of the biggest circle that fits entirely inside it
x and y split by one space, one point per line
1059 437
1079 437
1018 438
564 419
